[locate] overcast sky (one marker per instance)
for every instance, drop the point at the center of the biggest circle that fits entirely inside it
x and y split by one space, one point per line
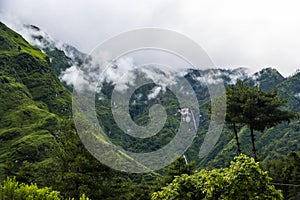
234 33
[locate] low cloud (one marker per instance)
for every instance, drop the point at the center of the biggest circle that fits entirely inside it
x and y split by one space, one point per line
122 73
154 93
297 95
230 31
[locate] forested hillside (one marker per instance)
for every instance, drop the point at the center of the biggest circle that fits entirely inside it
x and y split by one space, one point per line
39 143
38 138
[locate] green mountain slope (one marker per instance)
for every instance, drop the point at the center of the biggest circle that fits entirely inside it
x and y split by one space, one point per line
271 144
274 142
40 101
61 55
30 67
32 103
267 79
36 118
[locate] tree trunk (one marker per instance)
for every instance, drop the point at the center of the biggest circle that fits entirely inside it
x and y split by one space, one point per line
237 140
253 144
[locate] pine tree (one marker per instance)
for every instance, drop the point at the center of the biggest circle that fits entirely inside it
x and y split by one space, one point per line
256 109
234 115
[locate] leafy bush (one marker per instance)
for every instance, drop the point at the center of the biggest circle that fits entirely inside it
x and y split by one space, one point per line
13 190
243 179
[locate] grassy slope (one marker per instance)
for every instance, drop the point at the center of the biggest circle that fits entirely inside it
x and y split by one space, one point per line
32 100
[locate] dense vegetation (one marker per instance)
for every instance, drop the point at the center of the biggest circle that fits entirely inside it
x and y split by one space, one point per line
243 179
13 190
39 145
254 108
285 169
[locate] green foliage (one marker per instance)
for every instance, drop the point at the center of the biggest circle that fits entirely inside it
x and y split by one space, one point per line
273 142
12 44
177 168
263 110
259 111
139 112
32 100
84 197
243 179
13 190
26 131
285 174
256 109
234 113
38 138
290 89
73 171
267 78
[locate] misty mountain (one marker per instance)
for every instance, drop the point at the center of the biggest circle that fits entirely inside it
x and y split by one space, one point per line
34 101
61 55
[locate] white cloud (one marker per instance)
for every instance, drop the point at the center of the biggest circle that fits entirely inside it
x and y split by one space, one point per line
122 73
210 78
154 93
233 33
75 77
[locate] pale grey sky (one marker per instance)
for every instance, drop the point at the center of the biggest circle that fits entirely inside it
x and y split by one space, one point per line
234 33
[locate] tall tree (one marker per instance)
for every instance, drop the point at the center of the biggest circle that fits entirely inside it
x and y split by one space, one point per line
256 109
234 114
234 101
263 110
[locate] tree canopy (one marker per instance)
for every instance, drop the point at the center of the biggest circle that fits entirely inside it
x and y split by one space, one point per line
256 109
243 179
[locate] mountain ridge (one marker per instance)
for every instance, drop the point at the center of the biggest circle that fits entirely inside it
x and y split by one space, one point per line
57 100
267 79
